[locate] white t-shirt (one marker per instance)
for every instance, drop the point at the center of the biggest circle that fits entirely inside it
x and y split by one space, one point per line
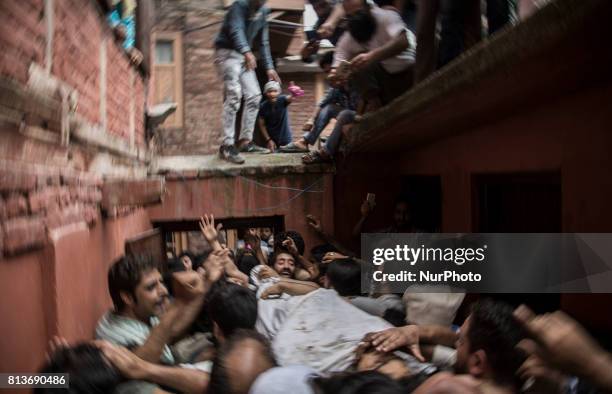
389 25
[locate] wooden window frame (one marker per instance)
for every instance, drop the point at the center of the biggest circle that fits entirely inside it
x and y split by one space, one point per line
177 53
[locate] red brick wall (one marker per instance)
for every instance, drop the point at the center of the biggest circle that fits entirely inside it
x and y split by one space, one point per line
76 52
139 108
22 37
80 29
118 92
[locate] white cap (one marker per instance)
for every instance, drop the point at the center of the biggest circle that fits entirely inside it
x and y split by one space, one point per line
272 85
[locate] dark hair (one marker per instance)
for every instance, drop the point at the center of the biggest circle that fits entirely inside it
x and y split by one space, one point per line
250 239
246 261
367 382
175 265
494 329
362 25
273 256
344 276
125 275
188 254
232 307
219 379
326 59
319 251
383 3
294 235
89 372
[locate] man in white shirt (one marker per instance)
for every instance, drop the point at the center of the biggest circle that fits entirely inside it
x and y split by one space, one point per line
380 49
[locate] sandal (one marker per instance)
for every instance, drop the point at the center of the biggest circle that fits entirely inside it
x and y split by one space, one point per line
315 157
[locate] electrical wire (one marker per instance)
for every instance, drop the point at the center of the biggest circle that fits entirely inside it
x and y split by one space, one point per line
300 192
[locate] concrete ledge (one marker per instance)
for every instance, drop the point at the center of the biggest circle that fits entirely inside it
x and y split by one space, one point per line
127 193
560 49
210 166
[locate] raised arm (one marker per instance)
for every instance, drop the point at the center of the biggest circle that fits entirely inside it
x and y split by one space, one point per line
327 29
315 224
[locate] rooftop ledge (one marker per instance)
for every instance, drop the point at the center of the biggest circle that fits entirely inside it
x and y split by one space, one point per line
209 166
558 50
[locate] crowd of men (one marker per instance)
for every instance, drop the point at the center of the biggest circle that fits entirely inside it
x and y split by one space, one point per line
264 318
381 48
277 322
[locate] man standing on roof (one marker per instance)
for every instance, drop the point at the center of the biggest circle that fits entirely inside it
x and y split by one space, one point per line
245 23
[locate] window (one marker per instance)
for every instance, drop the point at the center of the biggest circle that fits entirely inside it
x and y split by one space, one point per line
168 75
424 194
517 203
184 235
164 52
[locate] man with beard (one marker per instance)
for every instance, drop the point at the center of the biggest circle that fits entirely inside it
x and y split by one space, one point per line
143 319
276 285
282 264
146 322
486 348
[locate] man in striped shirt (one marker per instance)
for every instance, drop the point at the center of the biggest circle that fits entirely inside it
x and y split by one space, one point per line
146 322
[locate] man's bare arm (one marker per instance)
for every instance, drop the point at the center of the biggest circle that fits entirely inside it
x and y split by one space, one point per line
315 224
392 48
181 379
263 129
289 286
160 335
438 335
327 29
132 367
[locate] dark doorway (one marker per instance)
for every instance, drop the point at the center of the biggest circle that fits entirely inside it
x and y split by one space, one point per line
424 194
517 203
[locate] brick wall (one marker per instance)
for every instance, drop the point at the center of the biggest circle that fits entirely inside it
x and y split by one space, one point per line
34 199
203 93
80 30
22 37
76 52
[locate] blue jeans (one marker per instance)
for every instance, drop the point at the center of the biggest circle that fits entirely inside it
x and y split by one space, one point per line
326 114
345 117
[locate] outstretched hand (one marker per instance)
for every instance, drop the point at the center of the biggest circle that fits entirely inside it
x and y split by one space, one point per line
331 256
560 341
214 265
395 338
289 243
207 226
314 222
56 344
188 285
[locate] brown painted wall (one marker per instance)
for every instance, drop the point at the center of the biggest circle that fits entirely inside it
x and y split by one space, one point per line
59 290
570 135
234 197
